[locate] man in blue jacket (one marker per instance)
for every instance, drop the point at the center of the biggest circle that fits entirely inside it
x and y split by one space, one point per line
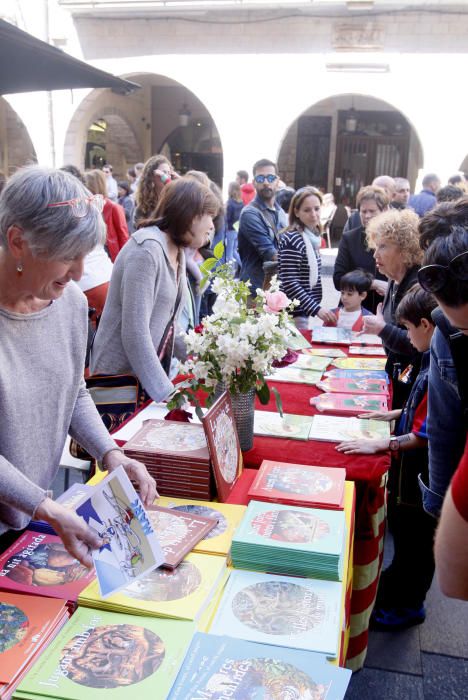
426 199
260 224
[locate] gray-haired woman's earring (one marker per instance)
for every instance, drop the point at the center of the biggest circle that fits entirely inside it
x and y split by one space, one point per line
19 268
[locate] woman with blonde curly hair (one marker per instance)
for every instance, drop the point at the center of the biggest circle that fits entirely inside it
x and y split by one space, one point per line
157 172
394 238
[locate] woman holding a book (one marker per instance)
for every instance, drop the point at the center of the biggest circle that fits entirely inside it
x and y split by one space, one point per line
49 222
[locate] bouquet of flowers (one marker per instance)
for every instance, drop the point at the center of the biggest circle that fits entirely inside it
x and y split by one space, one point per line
237 345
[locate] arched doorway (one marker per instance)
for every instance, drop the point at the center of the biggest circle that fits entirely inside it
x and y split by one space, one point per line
343 142
195 147
111 139
16 148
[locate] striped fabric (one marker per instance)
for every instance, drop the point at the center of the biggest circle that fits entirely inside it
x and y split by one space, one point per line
294 274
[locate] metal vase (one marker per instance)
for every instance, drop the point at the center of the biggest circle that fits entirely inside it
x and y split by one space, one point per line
243 407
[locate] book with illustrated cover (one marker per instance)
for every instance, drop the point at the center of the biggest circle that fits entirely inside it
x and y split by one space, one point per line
350 404
178 532
358 374
295 376
27 624
223 442
314 363
227 517
98 651
343 336
296 340
302 613
338 429
38 564
341 385
372 363
130 547
168 437
181 593
290 540
288 425
325 352
219 667
299 484
366 350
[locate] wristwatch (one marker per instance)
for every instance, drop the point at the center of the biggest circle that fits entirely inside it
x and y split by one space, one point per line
394 444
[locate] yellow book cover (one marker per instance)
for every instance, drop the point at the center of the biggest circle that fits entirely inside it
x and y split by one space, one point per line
206 618
181 593
228 516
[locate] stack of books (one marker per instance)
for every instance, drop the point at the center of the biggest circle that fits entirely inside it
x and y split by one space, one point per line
176 455
290 540
27 626
181 593
299 484
227 518
38 564
220 667
302 613
97 652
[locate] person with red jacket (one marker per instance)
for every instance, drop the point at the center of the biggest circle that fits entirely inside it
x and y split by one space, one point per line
248 191
113 214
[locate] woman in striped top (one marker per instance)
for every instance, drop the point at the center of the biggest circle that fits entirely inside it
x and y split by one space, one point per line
299 258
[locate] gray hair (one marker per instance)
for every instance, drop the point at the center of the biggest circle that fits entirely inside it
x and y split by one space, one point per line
50 232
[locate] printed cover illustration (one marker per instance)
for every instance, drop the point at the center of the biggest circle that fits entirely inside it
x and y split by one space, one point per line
68 499
344 336
171 438
372 363
282 610
131 547
288 425
218 540
296 340
295 376
39 564
178 532
337 429
358 374
325 352
180 593
350 404
366 350
299 483
104 651
223 442
354 386
219 667
314 363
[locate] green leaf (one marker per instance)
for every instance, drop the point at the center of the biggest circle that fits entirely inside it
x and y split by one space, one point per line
208 265
263 394
218 250
199 412
279 403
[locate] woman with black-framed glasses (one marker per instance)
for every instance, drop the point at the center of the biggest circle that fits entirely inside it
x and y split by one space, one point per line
49 222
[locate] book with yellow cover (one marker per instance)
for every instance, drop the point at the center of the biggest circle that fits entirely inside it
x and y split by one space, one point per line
218 540
181 593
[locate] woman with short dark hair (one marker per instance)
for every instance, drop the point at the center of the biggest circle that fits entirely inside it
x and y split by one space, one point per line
147 289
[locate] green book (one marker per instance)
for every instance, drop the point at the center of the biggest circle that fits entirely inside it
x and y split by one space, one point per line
291 426
100 651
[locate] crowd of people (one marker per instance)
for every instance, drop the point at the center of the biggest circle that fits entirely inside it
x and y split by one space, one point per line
135 246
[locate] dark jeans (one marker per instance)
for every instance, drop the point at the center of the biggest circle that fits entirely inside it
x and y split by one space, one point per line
407 580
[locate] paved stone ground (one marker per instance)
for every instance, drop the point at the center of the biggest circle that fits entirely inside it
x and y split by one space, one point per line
427 662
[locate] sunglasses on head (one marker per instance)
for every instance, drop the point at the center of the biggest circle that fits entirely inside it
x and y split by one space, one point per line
260 179
433 278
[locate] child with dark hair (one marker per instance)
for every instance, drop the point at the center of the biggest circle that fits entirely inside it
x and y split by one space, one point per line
404 584
354 287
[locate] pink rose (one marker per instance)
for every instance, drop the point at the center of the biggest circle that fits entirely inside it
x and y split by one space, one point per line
276 302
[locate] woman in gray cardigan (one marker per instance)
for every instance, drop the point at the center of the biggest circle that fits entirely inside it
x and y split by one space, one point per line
148 289
49 222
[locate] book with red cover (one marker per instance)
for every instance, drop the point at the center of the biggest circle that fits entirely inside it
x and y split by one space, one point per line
342 385
38 563
184 441
223 442
178 532
350 404
27 625
299 484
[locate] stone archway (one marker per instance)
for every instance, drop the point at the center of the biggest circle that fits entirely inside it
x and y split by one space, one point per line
111 134
344 141
16 148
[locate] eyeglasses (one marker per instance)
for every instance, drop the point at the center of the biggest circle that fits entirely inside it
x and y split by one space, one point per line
433 278
80 205
260 179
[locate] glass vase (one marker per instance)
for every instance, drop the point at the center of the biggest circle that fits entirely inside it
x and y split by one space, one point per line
243 407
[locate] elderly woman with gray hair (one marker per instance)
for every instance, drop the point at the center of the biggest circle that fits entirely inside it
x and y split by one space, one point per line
48 223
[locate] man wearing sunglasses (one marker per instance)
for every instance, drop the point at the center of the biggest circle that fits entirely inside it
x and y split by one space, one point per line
259 225
445 274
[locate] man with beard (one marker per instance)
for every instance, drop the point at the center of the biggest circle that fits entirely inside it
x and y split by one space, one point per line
259 226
